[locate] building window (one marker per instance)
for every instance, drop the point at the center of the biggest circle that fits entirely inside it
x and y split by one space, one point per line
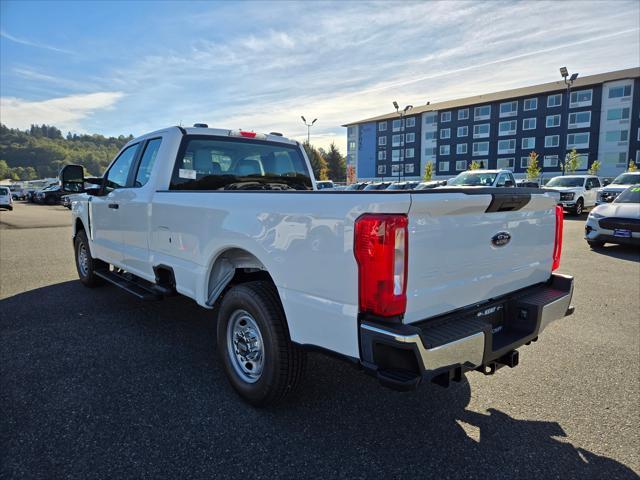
553 121
409 153
524 162
551 141
430 135
443 166
581 98
382 155
463 114
396 155
397 140
411 122
382 169
461 148
530 104
395 169
463 131
351 131
528 143
578 140
529 123
480 148
619 92
617 136
352 145
554 100
382 141
445 117
430 118
410 137
397 125
507 146
580 119
583 161
382 126
509 109
461 165
445 133
408 168
481 131
619 158
505 163
550 161
444 149
430 151
482 113
507 128
618 113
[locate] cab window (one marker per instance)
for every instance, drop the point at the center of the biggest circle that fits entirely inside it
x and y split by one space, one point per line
147 162
118 174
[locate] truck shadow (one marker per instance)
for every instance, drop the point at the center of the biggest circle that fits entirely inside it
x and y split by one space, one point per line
95 383
622 252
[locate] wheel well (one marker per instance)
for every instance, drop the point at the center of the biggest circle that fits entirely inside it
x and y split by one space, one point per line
232 267
79 226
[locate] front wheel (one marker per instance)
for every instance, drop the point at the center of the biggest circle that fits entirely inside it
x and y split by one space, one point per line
85 263
259 359
579 207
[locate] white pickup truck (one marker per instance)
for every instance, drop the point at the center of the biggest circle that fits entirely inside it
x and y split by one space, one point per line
408 285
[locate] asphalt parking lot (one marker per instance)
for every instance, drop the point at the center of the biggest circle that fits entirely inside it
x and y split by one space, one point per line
96 384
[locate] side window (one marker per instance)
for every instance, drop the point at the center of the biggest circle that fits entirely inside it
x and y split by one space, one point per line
119 172
502 179
147 162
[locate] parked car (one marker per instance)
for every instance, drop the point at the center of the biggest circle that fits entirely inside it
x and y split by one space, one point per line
50 195
430 184
324 184
483 178
527 184
616 222
609 193
357 186
6 200
171 217
577 192
377 186
403 185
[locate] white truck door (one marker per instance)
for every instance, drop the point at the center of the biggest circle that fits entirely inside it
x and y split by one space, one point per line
590 195
106 217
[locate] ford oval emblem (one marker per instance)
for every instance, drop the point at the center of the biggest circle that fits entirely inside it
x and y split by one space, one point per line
500 239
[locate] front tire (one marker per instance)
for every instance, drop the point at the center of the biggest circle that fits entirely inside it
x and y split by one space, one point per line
85 263
258 357
579 207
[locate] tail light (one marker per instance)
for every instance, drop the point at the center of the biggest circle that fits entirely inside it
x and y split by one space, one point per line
557 247
381 252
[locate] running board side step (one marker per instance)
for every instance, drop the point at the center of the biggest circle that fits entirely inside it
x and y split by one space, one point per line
147 292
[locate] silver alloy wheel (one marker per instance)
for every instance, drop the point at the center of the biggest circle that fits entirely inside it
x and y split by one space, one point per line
578 207
83 259
245 346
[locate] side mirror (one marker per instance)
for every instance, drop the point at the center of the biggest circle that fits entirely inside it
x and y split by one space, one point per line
72 178
587 187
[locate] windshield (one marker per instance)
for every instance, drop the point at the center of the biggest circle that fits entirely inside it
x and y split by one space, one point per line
626 179
4 191
566 182
397 186
630 195
215 163
473 179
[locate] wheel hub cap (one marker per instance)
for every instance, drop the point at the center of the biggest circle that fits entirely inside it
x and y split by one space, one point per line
245 346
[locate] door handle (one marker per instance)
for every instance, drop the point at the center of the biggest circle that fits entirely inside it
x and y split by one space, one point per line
115 206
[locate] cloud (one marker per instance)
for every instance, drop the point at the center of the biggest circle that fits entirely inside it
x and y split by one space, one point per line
66 113
31 43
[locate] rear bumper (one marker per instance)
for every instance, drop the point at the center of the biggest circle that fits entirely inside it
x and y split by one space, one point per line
481 337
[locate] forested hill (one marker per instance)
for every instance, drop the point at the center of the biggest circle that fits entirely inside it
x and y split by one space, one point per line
42 150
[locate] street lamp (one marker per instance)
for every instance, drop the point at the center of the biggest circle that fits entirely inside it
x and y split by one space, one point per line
404 149
568 82
309 125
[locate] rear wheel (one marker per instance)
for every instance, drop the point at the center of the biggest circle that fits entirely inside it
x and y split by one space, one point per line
259 359
85 263
579 207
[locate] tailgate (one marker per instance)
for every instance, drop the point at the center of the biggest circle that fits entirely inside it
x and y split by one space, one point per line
464 250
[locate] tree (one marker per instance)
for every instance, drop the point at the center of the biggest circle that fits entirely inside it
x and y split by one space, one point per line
474 165
336 164
428 172
5 171
595 167
572 161
533 169
318 164
632 166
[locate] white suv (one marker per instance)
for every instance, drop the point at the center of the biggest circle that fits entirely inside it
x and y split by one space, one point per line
623 181
577 192
5 198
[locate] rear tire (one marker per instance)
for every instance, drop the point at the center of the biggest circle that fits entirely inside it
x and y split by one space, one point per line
85 263
258 357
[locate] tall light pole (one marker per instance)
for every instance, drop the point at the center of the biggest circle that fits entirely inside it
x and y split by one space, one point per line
568 82
309 125
404 148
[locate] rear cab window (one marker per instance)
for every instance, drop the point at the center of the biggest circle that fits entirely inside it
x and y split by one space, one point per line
221 163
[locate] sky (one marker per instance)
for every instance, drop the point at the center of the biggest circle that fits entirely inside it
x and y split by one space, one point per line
132 67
